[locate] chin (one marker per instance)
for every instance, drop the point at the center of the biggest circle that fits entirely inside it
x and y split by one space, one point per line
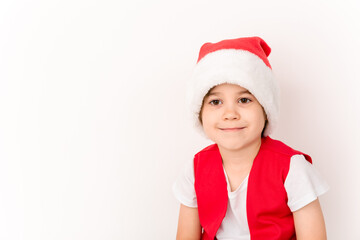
231 145
236 144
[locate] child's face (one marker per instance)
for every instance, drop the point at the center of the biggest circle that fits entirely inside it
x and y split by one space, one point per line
232 117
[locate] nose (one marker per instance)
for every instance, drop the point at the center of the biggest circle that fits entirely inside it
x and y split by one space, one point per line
231 113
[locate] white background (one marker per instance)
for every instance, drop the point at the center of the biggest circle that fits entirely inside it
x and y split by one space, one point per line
93 124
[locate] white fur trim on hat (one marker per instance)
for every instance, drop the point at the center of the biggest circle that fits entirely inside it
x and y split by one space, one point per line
239 67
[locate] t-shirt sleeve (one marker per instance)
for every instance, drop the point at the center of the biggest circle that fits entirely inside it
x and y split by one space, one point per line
183 187
303 183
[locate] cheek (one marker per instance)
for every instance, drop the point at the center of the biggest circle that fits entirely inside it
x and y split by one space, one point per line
259 117
205 116
206 123
208 120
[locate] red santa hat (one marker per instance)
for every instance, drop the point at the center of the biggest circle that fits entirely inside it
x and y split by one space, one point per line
241 61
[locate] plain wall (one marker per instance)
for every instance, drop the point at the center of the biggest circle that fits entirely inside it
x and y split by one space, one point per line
93 126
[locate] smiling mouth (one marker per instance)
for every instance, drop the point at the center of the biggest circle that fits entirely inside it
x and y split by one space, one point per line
231 129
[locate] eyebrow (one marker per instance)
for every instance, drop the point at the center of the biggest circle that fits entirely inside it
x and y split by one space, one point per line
219 93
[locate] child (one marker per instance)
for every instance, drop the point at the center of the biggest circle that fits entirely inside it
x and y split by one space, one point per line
245 185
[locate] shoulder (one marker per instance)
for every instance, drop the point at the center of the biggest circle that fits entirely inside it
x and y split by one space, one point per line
206 151
277 146
210 148
303 183
281 149
208 158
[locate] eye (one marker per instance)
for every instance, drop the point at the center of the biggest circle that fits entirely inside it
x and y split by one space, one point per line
215 102
244 100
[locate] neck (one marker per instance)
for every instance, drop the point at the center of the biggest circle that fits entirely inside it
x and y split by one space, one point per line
242 156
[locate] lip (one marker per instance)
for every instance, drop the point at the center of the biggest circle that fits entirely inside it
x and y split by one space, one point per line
232 129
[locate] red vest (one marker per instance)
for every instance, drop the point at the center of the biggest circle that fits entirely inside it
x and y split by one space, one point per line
268 214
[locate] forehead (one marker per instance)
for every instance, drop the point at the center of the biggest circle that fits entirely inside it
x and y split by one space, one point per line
228 88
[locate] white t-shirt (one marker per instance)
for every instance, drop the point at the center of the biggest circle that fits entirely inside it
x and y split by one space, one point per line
303 185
